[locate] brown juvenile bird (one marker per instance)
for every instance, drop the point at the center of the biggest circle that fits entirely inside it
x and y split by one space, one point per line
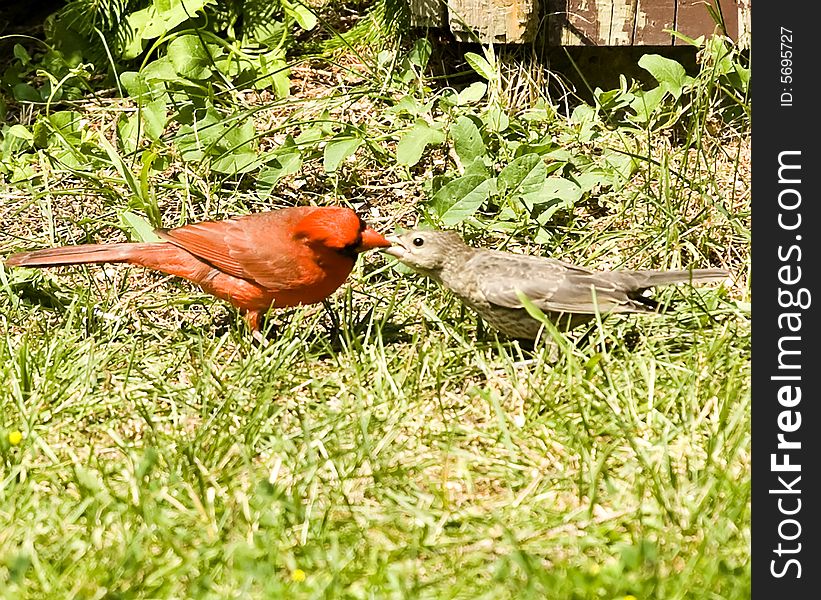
280 258
488 281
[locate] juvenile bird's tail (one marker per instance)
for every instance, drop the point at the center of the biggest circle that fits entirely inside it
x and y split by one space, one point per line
650 278
83 254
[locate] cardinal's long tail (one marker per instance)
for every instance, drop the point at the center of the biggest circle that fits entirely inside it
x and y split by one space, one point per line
79 255
160 256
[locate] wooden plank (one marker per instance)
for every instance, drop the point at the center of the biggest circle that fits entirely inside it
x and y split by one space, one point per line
622 22
599 22
496 21
582 22
693 19
652 18
428 13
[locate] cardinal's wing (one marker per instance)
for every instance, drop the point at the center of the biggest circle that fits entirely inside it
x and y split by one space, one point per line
256 247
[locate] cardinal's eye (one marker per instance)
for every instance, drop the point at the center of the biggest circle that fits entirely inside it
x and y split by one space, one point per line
418 242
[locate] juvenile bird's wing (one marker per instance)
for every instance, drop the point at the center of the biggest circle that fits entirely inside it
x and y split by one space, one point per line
256 247
552 285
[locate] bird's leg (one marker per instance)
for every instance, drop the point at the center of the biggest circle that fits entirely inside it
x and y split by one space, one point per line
254 320
335 328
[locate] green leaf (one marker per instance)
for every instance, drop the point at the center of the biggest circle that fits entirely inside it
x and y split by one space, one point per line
467 140
461 198
472 93
338 149
592 179
556 193
562 189
645 104
622 165
138 228
26 93
21 132
671 75
413 143
480 65
234 163
303 15
235 150
495 119
127 130
165 15
21 54
154 118
189 57
284 162
159 70
420 53
523 176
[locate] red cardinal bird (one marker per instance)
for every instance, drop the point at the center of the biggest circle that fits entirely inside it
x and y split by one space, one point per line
280 258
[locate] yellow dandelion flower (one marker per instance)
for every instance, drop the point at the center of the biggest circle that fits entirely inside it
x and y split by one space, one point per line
15 437
629 597
298 575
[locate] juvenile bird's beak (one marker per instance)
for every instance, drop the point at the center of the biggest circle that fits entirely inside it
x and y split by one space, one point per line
396 249
371 240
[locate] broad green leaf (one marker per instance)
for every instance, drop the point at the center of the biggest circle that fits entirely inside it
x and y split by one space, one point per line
467 140
130 45
480 65
590 180
201 136
413 143
303 15
21 132
267 32
420 53
139 229
234 163
338 149
281 165
239 134
127 130
154 118
477 167
235 150
26 93
523 176
495 119
623 165
461 198
190 59
161 69
165 15
134 83
556 193
670 74
21 54
645 104
472 93
562 189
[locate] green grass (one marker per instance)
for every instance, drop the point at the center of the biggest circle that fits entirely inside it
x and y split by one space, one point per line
409 453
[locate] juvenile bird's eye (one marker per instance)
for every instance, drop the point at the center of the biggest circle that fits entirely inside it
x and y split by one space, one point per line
418 241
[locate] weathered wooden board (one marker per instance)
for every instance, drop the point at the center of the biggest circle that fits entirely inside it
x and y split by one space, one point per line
428 13
583 22
693 18
652 19
497 21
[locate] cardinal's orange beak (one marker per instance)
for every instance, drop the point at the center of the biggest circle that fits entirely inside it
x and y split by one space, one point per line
371 240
